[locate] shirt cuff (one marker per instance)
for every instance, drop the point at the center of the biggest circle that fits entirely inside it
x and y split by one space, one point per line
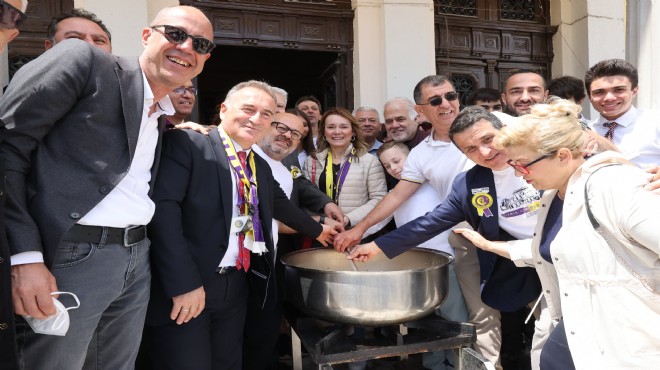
27 257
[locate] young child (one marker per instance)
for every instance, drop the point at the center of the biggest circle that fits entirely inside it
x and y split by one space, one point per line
392 155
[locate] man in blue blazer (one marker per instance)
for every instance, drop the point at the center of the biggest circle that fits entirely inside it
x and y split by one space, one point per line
202 282
495 202
80 143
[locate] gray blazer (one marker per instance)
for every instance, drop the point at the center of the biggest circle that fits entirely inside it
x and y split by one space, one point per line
71 119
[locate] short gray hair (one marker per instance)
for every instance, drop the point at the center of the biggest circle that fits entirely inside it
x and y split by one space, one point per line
412 113
252 83
365 109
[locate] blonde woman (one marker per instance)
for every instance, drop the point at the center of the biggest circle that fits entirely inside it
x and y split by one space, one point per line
606 280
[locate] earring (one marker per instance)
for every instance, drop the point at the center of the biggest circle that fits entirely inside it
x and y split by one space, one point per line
352 138
324 138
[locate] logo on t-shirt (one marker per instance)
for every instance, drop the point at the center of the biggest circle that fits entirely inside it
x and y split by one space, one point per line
524 201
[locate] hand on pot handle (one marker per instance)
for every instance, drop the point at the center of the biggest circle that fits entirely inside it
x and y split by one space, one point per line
363 252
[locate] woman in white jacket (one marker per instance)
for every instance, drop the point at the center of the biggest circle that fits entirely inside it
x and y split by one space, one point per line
608 279
343 169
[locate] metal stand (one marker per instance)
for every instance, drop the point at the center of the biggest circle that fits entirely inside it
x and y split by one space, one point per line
333 345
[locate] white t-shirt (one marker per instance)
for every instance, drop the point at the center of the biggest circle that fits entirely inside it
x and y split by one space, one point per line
421 202
517 204
434 164
437 162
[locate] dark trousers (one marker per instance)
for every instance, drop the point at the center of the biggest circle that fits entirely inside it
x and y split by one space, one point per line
516 340
213 340
555 354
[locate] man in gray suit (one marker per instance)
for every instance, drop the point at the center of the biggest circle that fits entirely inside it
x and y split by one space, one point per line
80 146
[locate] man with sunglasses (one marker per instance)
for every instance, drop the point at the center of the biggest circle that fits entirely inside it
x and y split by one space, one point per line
437 161
183 100
80 143
11 16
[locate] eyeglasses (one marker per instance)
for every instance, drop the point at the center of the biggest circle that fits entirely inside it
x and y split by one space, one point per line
437 100
283 129
182 89
524 168
10 17
176 35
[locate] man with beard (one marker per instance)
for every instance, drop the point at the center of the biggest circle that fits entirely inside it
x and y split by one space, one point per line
523 89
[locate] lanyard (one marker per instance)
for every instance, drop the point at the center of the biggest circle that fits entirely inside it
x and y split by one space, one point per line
331 190
249 193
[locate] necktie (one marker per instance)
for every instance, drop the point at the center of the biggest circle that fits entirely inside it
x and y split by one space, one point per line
243 253
610 130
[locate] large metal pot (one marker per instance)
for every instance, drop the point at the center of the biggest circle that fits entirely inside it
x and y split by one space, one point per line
322 283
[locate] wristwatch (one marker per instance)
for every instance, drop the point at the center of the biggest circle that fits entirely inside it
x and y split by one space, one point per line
322 219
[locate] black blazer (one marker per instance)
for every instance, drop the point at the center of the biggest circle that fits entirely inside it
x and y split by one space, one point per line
505 286
190 228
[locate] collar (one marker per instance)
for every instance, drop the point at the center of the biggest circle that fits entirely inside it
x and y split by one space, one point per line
431 142
237 146
626 120
164 105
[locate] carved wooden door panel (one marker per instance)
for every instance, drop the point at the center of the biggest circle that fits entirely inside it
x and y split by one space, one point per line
30 42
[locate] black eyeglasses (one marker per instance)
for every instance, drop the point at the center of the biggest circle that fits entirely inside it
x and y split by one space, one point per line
437 100
176 35
524 168
182 89
10 17
283 129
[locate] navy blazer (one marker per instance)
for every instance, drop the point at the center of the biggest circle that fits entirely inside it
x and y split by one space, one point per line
190 227
504 286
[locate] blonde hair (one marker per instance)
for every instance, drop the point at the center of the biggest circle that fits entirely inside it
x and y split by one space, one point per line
546 129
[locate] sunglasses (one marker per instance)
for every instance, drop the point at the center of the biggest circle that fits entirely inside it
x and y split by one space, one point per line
524 168
283 129
437 100
181 89
176 35
10 17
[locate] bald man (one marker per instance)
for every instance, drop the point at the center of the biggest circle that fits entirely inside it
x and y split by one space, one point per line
84 229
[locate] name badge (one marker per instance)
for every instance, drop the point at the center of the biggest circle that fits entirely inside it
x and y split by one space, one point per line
241 224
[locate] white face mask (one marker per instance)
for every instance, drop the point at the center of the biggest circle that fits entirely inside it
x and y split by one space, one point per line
57 324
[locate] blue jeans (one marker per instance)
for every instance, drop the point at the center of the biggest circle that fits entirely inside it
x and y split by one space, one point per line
112 283
555 354
454 309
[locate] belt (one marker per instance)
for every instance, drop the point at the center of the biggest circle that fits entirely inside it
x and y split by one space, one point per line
115 235
222 270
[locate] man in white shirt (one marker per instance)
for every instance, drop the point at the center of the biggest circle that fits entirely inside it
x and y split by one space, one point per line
611 86
80 145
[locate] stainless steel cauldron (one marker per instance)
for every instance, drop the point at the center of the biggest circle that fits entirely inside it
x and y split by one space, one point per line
321 283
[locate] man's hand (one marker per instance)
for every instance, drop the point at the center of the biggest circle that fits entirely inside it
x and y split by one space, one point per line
327 235
333 211
654 183
348 238
364 252
594 143
336 225
188 306
32 284
195 127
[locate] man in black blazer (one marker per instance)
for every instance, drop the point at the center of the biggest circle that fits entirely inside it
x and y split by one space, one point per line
201 280
80 142
8 361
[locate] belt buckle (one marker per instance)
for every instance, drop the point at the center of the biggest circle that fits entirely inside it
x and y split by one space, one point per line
126 236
